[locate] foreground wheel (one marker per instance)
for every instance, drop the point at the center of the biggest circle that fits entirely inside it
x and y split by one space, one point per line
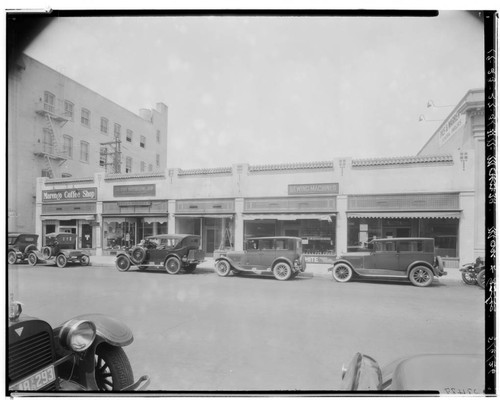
122 263
138 255
189 269
112 368
11 257
32 259
61 261
421 276
282 271
173 265
342 272
85 260
481 279
222 268
469 278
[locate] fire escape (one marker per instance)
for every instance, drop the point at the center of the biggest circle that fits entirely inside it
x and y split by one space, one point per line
110 156
50 150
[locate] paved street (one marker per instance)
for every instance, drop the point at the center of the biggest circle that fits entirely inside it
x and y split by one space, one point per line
201 332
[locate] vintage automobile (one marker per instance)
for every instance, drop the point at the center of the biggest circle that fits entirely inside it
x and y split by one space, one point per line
175 252
60 247
20 245
83 354
408 258
280 255
441 373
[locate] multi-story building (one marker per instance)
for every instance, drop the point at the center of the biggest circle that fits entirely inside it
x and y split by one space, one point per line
58 128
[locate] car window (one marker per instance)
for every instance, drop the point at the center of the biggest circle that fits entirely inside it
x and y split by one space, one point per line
12 240
385 247
281 244
29 239
410 246
252 245
265 244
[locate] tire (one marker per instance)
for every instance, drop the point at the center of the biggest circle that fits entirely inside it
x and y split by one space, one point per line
173 265
122 263
421 276
11 257
32 259
282 271
46 252
481 279
112 368
469 278
85 260
190 268
138 255
223 268
29 248
342 272
61 260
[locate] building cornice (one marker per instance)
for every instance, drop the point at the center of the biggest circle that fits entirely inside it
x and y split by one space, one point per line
409 160
142 175
53 181
205 171
291 167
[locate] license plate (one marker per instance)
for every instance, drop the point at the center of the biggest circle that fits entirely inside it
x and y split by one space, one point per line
36 381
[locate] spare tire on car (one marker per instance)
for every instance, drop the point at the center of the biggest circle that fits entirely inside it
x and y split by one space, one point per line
138 255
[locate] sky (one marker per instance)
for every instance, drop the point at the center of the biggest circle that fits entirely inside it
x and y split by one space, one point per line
264 90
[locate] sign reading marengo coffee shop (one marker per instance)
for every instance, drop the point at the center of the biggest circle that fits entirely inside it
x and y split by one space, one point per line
66 195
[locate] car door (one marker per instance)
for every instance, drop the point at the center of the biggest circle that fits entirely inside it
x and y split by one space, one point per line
385 256
267 253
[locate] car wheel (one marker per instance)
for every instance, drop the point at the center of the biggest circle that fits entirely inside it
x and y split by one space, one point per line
12 257
469 278
222 268
85 260
282 271
32 259
61 261
122 263
112 368
189 269
481 279
138 255
421 276
173 265
342 272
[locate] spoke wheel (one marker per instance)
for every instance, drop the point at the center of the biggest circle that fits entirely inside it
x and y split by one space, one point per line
173 265
112 368
222 268
61 261
469 278
282 271
342 273
481 279
122 263
32 259
85 260
11 257
421 276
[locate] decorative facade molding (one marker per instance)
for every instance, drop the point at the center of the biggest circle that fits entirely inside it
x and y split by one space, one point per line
206 171
400 161
292 167
65 181
142 175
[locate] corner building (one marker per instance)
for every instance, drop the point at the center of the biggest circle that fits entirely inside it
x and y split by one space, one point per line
334 206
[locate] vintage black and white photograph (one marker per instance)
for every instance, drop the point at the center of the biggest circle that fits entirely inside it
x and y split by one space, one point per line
237 201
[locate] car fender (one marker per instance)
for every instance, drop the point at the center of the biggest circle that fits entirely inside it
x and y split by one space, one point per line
172 255
38 253
281 259
425 263
341 260
225 258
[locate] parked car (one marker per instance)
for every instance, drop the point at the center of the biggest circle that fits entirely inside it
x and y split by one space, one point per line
20 246
443 373
174 252
83 354
410 258
60 247
280 255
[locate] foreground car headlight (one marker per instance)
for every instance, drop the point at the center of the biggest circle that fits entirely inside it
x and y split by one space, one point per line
77 335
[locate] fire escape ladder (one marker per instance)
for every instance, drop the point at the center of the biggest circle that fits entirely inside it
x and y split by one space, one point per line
50 127
49 166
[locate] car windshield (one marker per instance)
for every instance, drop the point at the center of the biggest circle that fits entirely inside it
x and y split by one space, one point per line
12 239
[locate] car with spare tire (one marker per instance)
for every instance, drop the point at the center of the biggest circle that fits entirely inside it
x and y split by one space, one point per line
413 259
61 248
278 255
174 252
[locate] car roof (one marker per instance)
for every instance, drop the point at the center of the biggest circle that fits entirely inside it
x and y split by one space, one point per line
16 234
171 236
274 237
54 234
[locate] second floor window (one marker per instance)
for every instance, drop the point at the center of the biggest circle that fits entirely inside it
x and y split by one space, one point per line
117 131
158 136
84 151
157 161
48 141
104 125
129 135
85 117
68 110
143 166
143 142
68 146
150 167
128 165
49 101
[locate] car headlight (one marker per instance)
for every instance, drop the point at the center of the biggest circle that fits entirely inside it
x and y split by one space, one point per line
77 335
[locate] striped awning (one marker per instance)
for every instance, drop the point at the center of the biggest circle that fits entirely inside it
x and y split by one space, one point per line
288 217
408 214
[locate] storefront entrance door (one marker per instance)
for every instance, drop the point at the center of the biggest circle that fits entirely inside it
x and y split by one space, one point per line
86 236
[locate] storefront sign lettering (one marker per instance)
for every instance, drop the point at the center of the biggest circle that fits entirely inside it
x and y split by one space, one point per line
314 188
319 259
69 194
450 127
134 190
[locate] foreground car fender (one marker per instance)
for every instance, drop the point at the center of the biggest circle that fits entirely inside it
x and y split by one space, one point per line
339 261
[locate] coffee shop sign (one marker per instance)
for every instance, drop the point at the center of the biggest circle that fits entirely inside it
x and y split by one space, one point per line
69 194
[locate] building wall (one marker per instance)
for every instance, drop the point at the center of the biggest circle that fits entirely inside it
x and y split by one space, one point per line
26 86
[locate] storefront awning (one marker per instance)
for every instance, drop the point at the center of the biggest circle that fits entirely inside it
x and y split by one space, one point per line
204 215
288 217
410 214
161 220
67 217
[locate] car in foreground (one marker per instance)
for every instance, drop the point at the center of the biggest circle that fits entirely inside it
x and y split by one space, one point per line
174 252
83 354
61 248
410 258
20 246
450 374
280 255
